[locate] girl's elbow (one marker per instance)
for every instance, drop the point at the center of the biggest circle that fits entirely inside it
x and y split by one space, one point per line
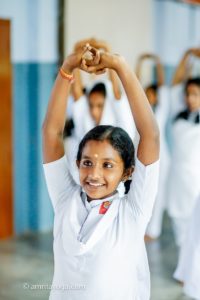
48 130
45 128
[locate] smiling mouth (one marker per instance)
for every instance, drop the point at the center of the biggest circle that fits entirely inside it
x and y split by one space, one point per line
94 184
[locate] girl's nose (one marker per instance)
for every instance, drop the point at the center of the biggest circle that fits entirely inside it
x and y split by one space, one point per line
95 173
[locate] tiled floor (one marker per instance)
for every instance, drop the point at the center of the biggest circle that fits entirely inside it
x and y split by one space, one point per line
28 261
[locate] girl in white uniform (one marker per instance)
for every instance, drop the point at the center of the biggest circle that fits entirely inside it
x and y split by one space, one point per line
188 269
184 175
158 96
98 236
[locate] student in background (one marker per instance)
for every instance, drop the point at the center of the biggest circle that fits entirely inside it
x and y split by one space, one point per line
184 71
184 174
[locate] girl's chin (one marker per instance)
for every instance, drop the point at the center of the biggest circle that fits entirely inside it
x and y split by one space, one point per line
95 196
98 196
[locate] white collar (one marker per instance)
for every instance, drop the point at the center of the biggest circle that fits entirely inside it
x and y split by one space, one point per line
93 203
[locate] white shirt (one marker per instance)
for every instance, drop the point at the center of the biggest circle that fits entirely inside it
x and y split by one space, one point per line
92 216
105 256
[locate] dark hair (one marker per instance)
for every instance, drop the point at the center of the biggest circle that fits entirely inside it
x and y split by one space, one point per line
69 127
118 138
195 81
153 87
98 88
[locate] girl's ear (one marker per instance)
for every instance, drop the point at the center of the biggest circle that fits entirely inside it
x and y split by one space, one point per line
78 163
127 173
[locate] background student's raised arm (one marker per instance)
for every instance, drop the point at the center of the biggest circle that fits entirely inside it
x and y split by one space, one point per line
160 77
184 67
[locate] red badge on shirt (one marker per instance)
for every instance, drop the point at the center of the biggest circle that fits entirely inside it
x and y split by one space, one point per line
104 207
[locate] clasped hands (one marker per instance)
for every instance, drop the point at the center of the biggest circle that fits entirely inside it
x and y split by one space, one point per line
91 60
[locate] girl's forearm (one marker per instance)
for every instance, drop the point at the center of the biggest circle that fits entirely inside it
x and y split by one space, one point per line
115 84
56 112
77 86
140 107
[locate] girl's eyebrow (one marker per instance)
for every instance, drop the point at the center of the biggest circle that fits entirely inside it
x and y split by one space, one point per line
110 159
105 159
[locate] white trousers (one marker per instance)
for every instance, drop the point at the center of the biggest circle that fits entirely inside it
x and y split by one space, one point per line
180 226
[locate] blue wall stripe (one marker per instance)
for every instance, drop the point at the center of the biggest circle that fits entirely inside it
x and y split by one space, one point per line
20 142
47 74
32 147
31 88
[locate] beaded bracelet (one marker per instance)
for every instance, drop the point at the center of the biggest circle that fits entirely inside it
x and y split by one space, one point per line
69 77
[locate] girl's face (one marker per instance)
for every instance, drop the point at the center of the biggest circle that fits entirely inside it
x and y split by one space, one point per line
96 104
193 97
100 169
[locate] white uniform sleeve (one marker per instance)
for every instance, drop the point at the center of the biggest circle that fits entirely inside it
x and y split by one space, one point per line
143 189
59 181
124 116
177 99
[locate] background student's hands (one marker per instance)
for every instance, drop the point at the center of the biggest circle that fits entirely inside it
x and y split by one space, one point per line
148 56
160 77
184 68
193 51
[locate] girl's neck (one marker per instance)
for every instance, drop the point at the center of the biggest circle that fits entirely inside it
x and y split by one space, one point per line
105 197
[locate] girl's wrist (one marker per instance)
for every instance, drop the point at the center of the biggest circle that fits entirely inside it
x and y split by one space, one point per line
67 68
118 63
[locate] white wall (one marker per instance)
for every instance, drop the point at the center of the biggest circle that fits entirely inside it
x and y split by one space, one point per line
176 29
126 24
33 29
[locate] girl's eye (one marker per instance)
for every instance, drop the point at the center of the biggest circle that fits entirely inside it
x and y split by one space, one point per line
107 165
87 163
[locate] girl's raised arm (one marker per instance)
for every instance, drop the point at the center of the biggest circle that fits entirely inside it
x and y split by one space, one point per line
148 149
77 86
55 118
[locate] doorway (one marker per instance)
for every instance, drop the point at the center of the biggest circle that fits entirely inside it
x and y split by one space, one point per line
6 190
